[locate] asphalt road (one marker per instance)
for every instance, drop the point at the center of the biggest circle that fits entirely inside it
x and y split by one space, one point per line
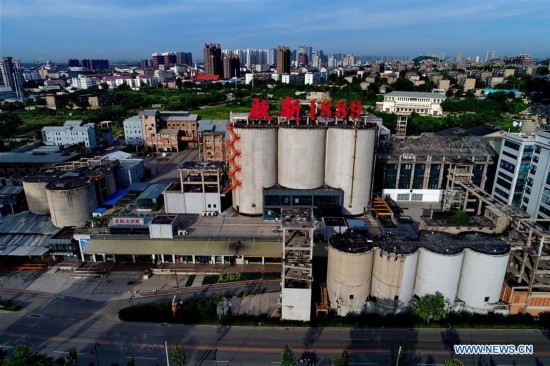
54 325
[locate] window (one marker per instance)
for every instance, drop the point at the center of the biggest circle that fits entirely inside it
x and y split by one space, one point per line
351 296
403 197
416 197
486 299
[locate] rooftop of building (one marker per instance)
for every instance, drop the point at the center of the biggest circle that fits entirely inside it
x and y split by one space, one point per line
202 165
11 190
25 234
334 221
168 131
297 217
182 117
153 191
164 219
352 241
415 94
433 145
66 232
448 244
42 157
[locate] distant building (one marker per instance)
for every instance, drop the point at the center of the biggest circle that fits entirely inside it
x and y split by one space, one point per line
401 102
469 84
133 133
213 59
164 58
84 82
184 58
283 60
11 76
231 66
152 121
71 133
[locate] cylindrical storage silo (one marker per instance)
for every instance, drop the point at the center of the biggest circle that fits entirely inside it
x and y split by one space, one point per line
256 166
438 270
349 272
71 202
35 192
393 274
301 154
482 275
349 164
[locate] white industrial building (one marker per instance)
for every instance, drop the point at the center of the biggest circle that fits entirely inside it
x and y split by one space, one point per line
82 82
405 103
536 196
199 191
71 133
133 133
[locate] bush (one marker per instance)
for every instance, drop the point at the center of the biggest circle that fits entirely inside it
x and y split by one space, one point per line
190 280
210 280
9 305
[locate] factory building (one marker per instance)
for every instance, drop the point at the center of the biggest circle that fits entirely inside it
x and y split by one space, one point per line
309 164
158 130
386 274
418 168
200 190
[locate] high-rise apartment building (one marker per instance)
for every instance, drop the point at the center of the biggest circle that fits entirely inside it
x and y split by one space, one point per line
184 58
213 59
164 58
11 75
489 55
283 60
231 65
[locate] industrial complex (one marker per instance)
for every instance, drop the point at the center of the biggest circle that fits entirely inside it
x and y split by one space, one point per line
291 192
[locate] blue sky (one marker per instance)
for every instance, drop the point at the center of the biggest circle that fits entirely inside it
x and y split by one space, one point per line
38 30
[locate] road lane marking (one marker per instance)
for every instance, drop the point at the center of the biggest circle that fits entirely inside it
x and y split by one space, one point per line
6 346
141 358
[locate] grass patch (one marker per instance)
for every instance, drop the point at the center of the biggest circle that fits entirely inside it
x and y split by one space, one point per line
190 280
222 111
9 305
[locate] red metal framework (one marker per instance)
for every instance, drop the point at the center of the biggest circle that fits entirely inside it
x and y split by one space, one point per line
234 168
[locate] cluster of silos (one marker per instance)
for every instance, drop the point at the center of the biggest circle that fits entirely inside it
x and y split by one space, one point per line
467 270
298 156
69 196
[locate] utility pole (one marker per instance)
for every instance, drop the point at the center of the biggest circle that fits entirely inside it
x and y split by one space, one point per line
166 348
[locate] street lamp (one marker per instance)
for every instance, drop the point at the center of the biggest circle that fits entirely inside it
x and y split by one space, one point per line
96 355
177 282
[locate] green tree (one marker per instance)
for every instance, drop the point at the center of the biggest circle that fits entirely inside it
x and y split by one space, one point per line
287 356
430 307
24 356
342 360
453 362
403 84
131 362
72 357
9 121
179 356
460 218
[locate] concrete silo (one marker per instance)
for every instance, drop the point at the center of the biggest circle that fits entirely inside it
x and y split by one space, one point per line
393 274
439 266
483 273
35 192
350 257
349 163
253 165
301 152
71 201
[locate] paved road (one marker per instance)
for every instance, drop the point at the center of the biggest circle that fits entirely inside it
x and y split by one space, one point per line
54 325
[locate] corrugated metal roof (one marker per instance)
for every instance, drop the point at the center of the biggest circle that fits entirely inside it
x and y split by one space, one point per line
26 158
153 192
11 190
185 247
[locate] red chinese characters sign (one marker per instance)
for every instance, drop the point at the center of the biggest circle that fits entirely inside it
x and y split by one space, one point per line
291 108
128 221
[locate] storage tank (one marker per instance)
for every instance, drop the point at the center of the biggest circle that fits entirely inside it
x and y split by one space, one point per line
350 257
439 264
301 154
483 271
256 163
71 201
35 192
393 274
349 163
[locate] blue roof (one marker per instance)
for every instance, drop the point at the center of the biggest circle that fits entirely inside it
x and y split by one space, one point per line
138 186
99 210
152 192
115 197
356 223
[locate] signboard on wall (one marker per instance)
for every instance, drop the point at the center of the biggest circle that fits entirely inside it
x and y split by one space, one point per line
125 221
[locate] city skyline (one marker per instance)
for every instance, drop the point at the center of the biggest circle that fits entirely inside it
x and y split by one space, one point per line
135 29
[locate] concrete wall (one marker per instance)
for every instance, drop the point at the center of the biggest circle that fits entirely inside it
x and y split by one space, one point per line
164 231
180 203
296 304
